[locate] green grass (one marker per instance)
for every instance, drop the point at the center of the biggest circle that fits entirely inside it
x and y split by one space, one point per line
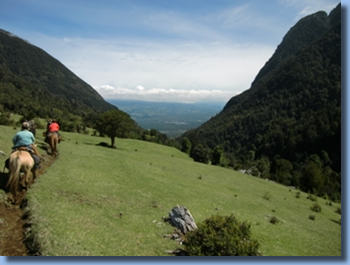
75 206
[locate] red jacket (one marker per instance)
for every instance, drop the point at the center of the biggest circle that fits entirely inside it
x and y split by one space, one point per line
54 127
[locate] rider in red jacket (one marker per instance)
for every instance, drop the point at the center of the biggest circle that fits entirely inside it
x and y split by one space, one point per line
54 127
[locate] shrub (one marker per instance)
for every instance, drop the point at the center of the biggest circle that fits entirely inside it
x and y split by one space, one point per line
312 217
297 195
338 210
312 197
274 220
316 207
221 236
267 196
5 119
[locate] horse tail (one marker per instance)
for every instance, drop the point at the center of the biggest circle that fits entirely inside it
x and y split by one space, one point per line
13 182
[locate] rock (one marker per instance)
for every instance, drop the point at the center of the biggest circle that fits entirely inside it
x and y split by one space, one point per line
181 218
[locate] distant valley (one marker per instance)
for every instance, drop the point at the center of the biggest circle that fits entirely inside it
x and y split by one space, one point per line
169 118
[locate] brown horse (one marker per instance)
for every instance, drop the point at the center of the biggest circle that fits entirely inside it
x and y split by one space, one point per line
21 168
52 140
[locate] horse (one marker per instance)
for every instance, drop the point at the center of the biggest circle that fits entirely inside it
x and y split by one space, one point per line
52 140
21 162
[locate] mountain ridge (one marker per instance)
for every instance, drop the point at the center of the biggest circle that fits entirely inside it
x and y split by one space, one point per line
29 73
291 115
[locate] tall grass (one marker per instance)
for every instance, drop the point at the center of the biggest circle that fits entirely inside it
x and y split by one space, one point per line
99 201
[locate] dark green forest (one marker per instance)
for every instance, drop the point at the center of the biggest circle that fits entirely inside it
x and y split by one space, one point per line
287 126
34 84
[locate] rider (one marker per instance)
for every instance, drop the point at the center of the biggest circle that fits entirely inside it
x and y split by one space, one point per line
54 128
25 138
32 127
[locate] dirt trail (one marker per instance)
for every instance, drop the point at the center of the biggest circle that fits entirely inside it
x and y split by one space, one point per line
12 218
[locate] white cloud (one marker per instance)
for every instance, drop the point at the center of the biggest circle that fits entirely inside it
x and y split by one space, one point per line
236 16
140 88
183 71
164 95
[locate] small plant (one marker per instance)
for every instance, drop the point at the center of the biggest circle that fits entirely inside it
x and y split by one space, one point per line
221 236
155 204
274 220
338 210
329 203
316 207
312 197
267 196
297 195
312 217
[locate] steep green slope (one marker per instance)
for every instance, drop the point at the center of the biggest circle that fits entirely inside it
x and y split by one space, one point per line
32 81
100 201
291 116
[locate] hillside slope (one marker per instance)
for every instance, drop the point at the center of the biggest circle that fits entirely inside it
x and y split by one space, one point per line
32 81
291 115
98 201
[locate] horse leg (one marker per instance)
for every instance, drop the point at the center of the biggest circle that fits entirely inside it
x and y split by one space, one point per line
29 179
11 198
56 152
34 174
54 145
24 180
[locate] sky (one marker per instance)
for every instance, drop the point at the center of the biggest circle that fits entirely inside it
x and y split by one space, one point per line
159 50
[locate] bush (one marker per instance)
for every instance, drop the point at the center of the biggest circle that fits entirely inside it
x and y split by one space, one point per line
312 197
316 207
221 236
5 119
274 220
267 196
338 210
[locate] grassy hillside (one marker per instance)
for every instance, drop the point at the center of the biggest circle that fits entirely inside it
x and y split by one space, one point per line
75 206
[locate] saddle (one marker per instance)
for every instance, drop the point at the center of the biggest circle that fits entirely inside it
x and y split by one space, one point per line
23 148
47 134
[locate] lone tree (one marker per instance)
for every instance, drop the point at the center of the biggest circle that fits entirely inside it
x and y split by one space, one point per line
114 123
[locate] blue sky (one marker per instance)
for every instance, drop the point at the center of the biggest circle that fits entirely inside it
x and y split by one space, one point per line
161 50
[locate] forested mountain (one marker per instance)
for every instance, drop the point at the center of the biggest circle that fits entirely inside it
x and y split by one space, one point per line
287 126
34 83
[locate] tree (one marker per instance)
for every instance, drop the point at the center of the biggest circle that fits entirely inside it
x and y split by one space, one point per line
281 170
217 155
200 154
263 165
186 145
114 123
312 178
